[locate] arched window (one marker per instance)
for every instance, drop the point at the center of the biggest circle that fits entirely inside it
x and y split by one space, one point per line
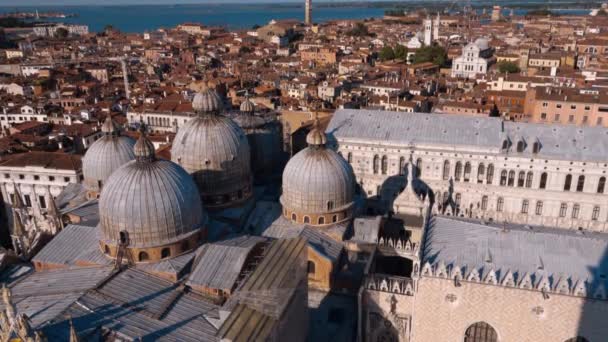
503 177
376 164
563 208
529 178
580 184
330 205
480 332
539 208
575 210
601 185
311 267
505 144
596 213
536 147
481 170
419 167
306 219
446 170
567 183
143 256
521 178
521 146
294 217
511 181
458 172
490 174
543 180
524 206
467 171
384 165
500 204
402 166
165 253
321 220
106 249
334 218
484 203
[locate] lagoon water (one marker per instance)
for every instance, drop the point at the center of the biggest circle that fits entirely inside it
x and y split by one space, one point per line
140 18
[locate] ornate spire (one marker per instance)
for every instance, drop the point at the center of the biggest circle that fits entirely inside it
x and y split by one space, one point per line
110 127
144 149
316 137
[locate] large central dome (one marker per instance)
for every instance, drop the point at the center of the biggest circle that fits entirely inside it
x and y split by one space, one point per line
215 151
153 204
104 156
318 184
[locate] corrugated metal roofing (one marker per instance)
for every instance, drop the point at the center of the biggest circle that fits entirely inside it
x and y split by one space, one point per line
519 249
564 142
74 243
220 263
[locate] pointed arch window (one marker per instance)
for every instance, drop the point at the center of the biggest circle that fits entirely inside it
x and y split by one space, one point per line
601 185
521 179
543 181
467 171
529 178
384 165
376 164
511 181
481 169
568 183
446 170
458 172
580 184
490 174
503 177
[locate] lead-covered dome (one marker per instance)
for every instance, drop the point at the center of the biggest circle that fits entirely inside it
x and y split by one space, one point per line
105 156
155 203
318 184
215 151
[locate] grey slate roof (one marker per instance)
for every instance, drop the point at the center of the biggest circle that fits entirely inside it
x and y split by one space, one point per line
137 304
219 264
44 295
74 243
554 252
557 141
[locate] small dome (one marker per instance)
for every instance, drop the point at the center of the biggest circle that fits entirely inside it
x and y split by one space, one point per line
482 43
106 155
318 181
247 106
215 151
207 101
316 137
154 201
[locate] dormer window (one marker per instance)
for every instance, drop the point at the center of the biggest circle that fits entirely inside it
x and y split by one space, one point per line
521 146
536 147
505 144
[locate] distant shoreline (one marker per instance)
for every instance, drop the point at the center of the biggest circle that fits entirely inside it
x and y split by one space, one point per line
568 4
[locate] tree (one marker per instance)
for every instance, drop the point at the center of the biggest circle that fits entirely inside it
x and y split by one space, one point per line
62 33
360 30
401 52
507 67
434 54
387 53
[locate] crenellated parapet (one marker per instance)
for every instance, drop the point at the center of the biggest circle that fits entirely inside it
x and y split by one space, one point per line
390 284
537 281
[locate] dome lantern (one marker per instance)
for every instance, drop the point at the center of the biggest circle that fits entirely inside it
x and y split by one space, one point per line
207 101
144 149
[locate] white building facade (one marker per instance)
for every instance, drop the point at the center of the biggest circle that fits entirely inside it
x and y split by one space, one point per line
474 59
482 167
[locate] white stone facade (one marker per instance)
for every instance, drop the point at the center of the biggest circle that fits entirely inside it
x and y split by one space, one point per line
473 61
